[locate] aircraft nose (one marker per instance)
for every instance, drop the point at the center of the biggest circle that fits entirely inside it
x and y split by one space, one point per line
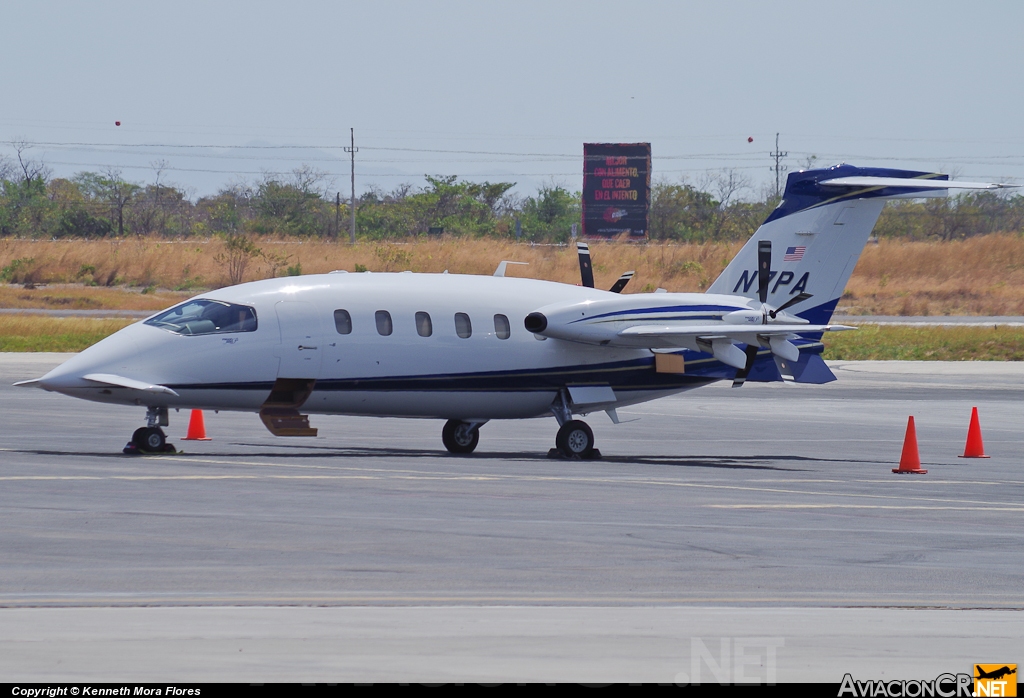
109 356
536 322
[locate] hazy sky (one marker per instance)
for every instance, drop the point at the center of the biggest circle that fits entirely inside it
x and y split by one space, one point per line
510 90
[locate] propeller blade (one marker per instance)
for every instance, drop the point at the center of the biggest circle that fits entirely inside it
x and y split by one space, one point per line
586 271
621 283
764 265
741 375
792 301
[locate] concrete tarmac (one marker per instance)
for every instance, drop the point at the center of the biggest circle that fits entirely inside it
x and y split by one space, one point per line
718 520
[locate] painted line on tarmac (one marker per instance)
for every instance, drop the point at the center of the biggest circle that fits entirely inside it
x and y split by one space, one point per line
860 506
885 481
982 602
606 480
233 476
443 477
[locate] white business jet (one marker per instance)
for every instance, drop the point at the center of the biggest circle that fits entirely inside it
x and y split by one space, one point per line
469 349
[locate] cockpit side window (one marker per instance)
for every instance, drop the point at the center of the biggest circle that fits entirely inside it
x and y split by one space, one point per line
205 316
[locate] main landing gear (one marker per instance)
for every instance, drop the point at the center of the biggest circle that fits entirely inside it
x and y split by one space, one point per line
575 439
460 437
151 438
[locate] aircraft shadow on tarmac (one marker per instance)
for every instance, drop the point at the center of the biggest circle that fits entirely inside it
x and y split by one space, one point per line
752 462
746 462
308 452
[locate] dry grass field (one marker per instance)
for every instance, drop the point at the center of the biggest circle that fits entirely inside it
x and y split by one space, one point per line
34 333
980 276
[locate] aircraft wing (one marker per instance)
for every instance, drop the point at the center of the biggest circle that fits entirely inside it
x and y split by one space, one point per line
720 340
122 382
738 332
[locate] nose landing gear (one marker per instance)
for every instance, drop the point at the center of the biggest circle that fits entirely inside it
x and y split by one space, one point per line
151 438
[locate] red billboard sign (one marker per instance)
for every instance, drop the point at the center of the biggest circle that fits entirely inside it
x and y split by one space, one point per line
616 189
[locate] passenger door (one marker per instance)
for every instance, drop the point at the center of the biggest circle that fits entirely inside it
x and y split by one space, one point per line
301 348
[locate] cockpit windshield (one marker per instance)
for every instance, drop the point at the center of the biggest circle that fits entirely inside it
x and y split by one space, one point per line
205 316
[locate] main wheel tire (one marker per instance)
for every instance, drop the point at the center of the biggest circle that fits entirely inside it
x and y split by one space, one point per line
459 436
152 440
575 439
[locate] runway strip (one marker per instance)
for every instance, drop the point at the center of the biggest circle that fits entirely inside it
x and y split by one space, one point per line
490 644
722 517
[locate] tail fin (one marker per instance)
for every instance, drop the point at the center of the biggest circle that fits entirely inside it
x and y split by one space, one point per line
818 231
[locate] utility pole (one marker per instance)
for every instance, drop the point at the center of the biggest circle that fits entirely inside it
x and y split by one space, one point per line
352 207
779 168
337 216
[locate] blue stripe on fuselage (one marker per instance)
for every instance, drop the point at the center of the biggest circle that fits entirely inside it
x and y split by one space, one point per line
668 309
637 374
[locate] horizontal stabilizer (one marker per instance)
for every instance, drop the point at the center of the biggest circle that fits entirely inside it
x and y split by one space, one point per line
909 183
122 382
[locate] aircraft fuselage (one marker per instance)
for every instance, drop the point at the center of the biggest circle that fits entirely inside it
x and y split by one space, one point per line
480 366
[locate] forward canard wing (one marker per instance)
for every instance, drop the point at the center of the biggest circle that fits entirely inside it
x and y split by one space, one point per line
103 379
122 382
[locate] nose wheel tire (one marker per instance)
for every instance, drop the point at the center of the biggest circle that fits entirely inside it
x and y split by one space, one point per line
459 436
575 440
149 439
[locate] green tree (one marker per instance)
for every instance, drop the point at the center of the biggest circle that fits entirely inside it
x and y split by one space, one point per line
292 208
682 212
549 215
111 189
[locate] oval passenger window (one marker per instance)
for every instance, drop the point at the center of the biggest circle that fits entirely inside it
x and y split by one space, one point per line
501 327
384 326
424 328
342 322
463 327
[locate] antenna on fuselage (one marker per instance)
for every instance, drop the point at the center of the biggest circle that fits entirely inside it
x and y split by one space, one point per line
500 271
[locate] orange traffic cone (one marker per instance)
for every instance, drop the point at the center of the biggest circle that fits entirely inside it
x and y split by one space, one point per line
975 448
910 461
196 427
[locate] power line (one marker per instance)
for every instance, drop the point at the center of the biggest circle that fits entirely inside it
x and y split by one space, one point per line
568 156
367 173
778 155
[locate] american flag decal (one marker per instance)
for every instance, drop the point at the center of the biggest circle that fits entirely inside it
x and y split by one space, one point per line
794 254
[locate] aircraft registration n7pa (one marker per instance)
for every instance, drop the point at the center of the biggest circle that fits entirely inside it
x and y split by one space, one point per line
469 349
